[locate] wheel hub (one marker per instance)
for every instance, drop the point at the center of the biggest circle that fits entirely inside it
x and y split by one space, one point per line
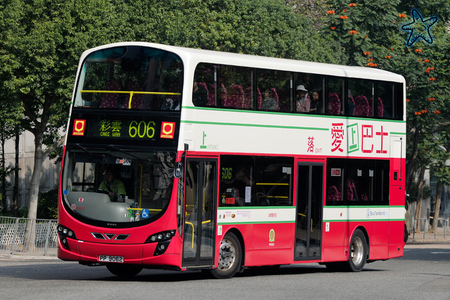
226 255
357 251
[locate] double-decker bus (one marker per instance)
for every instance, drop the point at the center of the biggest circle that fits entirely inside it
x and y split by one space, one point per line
182 159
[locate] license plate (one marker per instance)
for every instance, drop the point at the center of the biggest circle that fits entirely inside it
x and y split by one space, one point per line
110 258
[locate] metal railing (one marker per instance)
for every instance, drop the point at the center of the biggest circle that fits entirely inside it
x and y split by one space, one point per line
423 224
28 236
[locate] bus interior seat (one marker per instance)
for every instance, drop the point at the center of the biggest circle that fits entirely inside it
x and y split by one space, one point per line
248 97
235 96
351 105
110 100
204 86
352 194
361 106
334 194
223 95
334 104
380 108
138 99
212 96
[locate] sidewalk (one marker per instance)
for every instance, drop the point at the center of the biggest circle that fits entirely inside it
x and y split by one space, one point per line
6 255
440 237
27 256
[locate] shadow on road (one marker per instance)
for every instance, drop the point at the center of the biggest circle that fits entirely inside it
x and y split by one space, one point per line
71 271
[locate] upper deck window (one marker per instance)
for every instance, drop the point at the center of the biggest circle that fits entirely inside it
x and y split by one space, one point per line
246 88
130 77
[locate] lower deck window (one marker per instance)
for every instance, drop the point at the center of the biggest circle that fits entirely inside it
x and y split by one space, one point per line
357 182
255 181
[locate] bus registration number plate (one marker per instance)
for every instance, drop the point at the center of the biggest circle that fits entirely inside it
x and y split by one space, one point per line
110 258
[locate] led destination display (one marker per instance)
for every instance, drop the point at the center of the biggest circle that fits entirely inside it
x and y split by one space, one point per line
124 129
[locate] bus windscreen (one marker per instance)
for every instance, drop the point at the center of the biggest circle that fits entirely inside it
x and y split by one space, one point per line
115 185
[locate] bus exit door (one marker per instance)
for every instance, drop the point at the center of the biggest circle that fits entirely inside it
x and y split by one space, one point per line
308 232
199 216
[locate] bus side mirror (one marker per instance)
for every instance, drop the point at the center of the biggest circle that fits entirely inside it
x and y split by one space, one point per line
178 170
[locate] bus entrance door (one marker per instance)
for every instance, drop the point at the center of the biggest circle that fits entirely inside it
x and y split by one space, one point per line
199 221
308 232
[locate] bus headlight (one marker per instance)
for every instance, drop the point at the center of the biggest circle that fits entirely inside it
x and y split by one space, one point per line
64 233
163 239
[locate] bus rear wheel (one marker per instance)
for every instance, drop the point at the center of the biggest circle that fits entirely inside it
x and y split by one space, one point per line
124 271
230 256
358 252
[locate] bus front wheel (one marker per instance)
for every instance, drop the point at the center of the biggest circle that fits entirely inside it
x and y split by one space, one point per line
124 271
230 256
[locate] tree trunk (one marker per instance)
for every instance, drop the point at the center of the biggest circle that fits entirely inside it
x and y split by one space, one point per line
3 175
35 178
15 201
411 163
420 180
34 192
437 208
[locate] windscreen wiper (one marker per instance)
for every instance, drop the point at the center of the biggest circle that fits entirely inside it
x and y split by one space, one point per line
125 152
85 150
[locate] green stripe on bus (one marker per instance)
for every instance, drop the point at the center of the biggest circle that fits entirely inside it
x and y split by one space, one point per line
260 222
365 206
292 207
287 114
325 221
361 220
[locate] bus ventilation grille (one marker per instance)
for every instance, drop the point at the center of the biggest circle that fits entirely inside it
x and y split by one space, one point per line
110 236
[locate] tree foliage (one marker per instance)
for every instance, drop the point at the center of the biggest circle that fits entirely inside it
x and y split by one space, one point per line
42 41
372 36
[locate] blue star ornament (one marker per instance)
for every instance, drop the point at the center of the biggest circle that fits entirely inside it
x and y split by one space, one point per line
419 28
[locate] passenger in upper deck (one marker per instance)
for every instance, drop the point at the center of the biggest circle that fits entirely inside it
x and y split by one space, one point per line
268 103
316 104
199 97
170 104
303 103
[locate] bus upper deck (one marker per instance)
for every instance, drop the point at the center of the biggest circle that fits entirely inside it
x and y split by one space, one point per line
137 76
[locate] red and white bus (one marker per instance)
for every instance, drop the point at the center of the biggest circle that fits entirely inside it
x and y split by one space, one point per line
223 161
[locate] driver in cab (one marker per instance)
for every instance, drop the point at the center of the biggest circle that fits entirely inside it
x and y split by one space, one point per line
113 186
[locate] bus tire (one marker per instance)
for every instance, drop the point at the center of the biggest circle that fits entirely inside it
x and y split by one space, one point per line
406 234
230 257
124 271
357 252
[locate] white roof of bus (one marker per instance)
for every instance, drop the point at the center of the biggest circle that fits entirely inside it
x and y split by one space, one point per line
227 58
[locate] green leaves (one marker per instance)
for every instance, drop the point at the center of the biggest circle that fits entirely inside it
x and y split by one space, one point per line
370 32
